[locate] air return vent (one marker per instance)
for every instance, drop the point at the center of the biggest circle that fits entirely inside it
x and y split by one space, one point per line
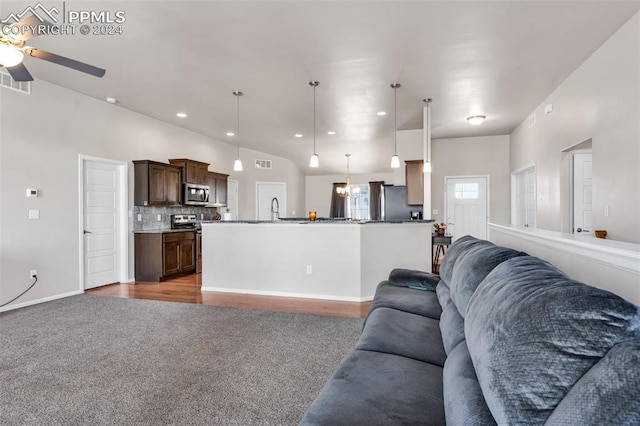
19 86
263 164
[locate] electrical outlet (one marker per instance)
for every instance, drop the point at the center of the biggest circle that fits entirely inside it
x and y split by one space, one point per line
139 217
159 217
606 211
201 216
33 273
309 269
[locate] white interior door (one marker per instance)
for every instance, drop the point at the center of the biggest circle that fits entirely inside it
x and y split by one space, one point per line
101 207
265 193
582 194
232 198
466 206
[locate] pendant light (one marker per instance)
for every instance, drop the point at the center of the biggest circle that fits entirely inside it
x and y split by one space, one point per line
237 165
395 160
345 191
427 146
315 160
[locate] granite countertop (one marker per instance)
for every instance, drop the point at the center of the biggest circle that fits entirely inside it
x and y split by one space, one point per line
163 231
321 221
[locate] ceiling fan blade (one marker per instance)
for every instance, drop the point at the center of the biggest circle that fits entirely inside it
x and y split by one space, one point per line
65 62
19 73
27 28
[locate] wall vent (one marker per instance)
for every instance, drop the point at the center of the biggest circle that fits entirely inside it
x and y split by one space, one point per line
19 86
263 164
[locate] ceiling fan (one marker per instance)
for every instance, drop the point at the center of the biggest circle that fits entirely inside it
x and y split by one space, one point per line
13 49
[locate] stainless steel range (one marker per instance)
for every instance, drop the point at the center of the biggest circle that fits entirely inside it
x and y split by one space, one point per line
190 222
184 221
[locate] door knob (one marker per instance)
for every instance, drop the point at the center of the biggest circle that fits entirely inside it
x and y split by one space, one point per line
87 232
579 230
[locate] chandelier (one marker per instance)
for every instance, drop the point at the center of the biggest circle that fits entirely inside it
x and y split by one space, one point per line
347 190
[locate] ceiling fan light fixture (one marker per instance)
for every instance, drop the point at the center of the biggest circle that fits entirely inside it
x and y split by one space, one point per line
476 119
10 56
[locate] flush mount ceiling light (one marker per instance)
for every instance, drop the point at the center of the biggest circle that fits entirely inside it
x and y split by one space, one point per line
298 135
395 160
181 115
476 119
237 165
331 132
314 161
381 113
9 55
230 134
346 191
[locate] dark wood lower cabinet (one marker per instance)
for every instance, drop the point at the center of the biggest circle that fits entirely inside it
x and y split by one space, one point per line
164 255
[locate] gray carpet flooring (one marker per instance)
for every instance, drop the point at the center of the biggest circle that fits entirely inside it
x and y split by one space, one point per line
93 360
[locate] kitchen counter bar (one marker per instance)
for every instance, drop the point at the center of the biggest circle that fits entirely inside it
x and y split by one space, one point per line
342 260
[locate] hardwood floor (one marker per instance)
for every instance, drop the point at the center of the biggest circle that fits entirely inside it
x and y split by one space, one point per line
187 290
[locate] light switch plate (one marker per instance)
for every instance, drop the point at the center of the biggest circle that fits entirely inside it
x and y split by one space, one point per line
34 214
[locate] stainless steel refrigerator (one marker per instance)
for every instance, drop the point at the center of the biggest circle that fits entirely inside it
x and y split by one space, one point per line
394 203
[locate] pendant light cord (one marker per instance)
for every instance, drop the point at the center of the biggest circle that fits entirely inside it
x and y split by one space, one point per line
395 119
238 111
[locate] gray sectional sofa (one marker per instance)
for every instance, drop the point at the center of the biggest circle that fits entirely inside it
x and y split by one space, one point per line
500 337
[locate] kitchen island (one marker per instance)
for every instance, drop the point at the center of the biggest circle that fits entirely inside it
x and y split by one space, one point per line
334 260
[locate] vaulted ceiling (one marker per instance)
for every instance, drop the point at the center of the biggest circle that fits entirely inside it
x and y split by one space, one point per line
498 58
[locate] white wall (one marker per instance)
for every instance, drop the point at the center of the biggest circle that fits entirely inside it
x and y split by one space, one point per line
486 155
41 136
599 101
318 189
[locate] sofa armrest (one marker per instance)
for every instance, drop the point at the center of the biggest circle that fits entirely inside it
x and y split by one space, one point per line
414 279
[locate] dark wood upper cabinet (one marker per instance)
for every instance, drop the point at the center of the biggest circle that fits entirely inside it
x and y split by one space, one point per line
415 182
192 171
156 184
217 188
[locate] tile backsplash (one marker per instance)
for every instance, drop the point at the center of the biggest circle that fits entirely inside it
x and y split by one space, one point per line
149 216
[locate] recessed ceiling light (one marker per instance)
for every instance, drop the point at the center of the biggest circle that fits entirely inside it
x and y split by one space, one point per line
111 100
230 134
181 114
331 132
476 119
298 135
381 113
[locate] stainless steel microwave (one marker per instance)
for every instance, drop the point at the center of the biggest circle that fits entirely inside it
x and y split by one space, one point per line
195 194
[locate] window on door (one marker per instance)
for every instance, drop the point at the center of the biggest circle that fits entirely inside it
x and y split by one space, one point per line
523 197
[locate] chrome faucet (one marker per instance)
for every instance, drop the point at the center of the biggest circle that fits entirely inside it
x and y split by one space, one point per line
275 210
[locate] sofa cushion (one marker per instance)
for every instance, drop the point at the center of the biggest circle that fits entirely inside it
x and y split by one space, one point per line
451 322
401 333
608 394
406 299
373 388
461 245
533 332
413 278
472 266
463 400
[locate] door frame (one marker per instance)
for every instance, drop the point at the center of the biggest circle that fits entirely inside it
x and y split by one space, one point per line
571 188
488 180
123 242
284 186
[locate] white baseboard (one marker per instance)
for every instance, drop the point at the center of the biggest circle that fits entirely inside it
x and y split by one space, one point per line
287 294
37 301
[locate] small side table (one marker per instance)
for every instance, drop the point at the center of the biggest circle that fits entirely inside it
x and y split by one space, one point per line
440 243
